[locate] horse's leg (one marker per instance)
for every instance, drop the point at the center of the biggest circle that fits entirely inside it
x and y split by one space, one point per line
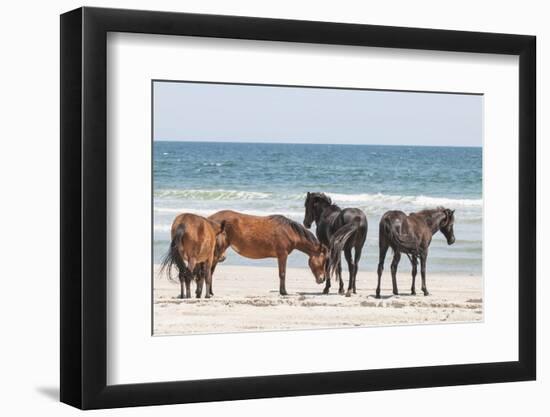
200 283
423 258
213 269
326 290
197 275
183 271
347 253
340 280
394 263
282 273
182 281
186 275
356 258
382 257
414 262
208 278
188 279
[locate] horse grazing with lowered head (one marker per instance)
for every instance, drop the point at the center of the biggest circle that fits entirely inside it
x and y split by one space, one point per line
339 230
259 237
412 236
200 242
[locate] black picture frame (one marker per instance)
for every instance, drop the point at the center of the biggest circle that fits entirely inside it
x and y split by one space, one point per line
84 207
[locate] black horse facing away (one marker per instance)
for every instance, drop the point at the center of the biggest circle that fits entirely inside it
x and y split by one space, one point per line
412 236
338 230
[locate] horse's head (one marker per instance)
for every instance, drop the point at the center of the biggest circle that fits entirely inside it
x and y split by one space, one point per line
446 226
317 264
221 243
314 205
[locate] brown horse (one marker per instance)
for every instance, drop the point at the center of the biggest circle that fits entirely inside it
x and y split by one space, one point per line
412 235
274 236
197 241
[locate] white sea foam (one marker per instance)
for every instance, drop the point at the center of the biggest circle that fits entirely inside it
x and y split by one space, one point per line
337 198
420 200
212 194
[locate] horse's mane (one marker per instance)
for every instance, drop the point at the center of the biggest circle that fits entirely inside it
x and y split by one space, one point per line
297 227
429 212
321 196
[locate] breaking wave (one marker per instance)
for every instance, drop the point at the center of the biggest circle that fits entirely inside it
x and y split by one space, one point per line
337 198
212 194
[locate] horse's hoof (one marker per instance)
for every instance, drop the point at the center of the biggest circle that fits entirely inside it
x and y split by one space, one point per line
208 296
341 292
326 291
283 293
426 293
413 292
348 294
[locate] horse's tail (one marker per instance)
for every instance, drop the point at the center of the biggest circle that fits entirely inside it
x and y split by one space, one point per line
173 256
338 242
396 239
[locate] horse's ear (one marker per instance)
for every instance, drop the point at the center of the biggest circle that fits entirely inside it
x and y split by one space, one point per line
452 212
308 194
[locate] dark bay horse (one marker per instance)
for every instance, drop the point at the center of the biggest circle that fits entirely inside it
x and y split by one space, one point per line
274 236
339 230
197 241
412 235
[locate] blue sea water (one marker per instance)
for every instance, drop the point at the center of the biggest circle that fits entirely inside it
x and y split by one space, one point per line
266 178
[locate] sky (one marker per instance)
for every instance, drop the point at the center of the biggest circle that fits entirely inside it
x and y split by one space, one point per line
187 111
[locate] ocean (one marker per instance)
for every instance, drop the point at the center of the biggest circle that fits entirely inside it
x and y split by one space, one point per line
269 178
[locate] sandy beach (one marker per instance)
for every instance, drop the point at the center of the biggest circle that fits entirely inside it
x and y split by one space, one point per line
246 298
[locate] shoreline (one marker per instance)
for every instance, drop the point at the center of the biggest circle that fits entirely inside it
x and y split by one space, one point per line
246 298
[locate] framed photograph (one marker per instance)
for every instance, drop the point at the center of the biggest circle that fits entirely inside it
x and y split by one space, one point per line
257 208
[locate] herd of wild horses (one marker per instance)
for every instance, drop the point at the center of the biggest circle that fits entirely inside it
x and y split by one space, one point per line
198 243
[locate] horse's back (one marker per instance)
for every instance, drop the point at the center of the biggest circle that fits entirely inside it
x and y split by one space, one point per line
254 237
354 214
393 214
194 221
225 215
230 215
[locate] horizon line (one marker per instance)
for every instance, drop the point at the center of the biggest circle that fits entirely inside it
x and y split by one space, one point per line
313 143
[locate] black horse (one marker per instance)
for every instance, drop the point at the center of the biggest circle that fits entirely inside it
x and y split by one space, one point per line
412 236
338 230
